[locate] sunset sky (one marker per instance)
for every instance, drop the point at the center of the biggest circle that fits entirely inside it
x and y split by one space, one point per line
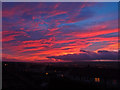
59 32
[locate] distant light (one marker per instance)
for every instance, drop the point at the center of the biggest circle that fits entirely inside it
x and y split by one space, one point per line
97 80
46 73
55 71
6 64
62 75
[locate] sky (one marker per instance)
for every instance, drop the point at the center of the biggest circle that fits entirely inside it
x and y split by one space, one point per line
60 0
59 31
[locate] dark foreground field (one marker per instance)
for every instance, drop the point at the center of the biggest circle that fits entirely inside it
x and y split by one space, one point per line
44 76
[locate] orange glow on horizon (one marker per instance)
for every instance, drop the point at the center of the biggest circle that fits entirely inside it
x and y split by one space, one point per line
97 79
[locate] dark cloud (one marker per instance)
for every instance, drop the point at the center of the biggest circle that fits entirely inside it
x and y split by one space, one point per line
89 55
29 47
66 48
10 59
